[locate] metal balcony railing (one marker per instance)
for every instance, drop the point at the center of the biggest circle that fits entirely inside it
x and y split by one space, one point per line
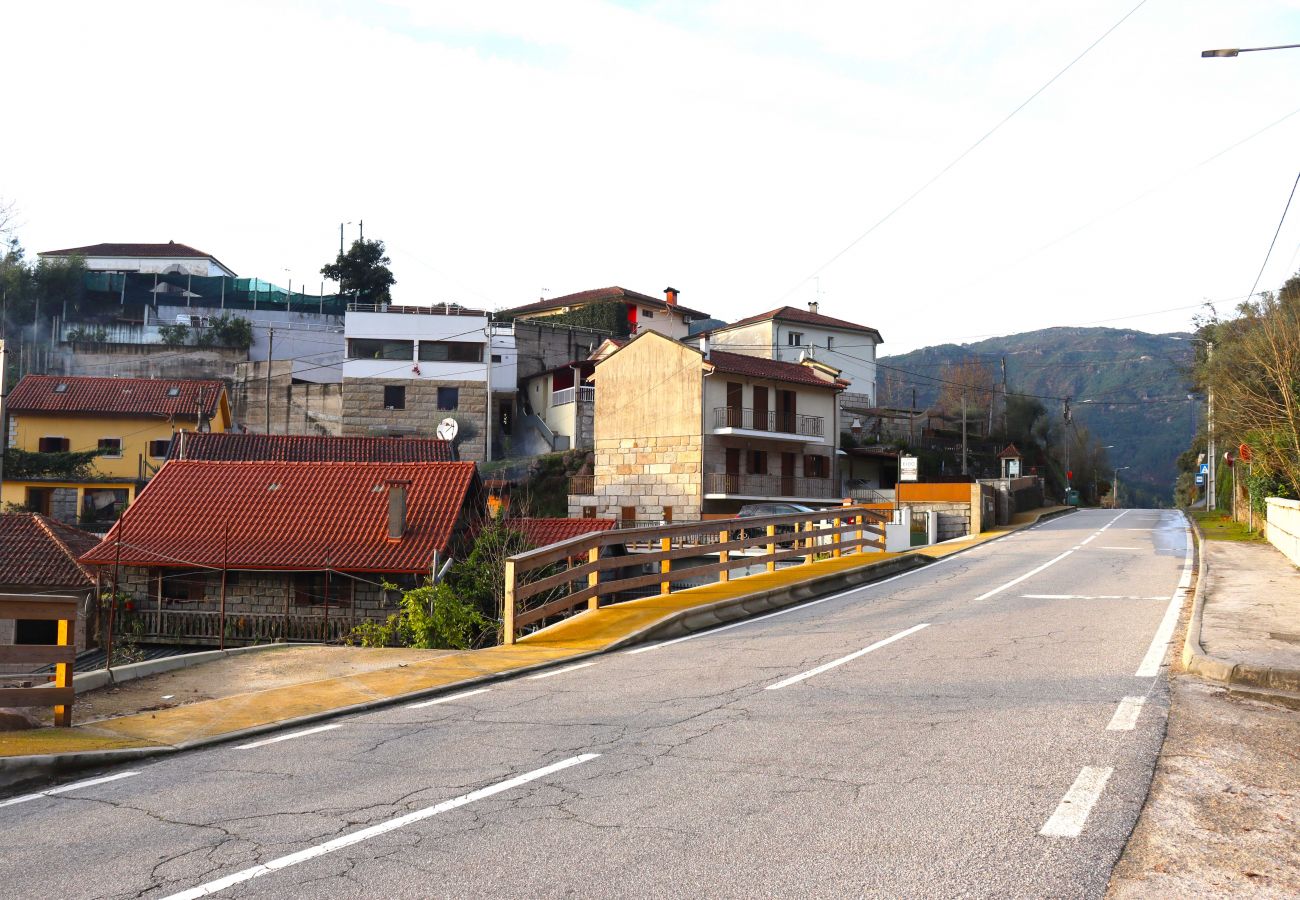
784 423
568 395
773 486
582 484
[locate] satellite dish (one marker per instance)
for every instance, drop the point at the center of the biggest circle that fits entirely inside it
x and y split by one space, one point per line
448 428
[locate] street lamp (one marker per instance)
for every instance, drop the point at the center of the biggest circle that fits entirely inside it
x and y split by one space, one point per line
1233 51
1114 488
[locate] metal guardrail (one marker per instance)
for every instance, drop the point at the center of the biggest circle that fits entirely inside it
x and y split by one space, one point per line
43 608
551 581
781 423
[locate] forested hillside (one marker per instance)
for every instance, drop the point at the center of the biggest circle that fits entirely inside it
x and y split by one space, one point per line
1128 388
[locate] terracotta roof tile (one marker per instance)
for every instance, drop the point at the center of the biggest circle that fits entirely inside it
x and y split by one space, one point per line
39 551
290 515
159 251
804 317
309 448
759 367
119 396
541 532
600 295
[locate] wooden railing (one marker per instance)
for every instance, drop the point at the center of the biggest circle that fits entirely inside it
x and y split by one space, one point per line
44 609
202 626
594 569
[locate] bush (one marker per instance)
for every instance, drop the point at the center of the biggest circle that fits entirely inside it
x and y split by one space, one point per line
430 617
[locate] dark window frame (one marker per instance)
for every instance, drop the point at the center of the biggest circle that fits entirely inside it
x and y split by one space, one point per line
394 396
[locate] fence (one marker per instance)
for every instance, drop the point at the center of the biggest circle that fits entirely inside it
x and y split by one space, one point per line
187 626
599 566
42 608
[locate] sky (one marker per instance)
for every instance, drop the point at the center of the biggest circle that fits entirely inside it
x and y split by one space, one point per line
748 153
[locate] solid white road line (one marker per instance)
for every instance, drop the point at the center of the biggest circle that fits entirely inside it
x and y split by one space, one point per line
1155 655
1087 597
288 737
448 699
555 672
1130 549
364 834
843 659
76 785
1126 714
1072 812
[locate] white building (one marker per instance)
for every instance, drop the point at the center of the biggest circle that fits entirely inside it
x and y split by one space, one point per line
790 334
168 258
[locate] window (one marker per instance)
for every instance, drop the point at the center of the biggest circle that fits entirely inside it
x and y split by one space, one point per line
53 445
589 512
372 348
647 313
668 515
110 448
758 462
451 351
448 398
187 587
159 449
496 358
173 391
816 466
394 396
796 338
628 515
830 342
61 387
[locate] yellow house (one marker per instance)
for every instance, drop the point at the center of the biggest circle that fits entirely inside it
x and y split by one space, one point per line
131 422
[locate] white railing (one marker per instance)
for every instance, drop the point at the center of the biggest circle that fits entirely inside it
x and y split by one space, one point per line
567 395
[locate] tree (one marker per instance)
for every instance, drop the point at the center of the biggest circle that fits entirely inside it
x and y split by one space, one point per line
363 272
972 379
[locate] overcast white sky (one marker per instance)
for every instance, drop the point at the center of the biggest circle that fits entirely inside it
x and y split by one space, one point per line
727 148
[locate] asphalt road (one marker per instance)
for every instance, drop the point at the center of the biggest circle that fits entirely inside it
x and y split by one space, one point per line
960 730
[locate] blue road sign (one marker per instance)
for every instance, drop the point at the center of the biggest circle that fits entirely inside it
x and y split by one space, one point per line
1205 468
1200 479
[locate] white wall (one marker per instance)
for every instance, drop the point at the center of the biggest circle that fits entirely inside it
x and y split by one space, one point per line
852 352
420 327
808 401
1284 527
193 265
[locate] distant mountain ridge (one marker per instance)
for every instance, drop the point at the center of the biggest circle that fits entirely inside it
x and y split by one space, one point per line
1128 387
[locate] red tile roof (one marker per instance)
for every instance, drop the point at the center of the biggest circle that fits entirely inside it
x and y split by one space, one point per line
758 367
541 532
290 516
601 295
153 251
309 448
803 317
35 550
113 396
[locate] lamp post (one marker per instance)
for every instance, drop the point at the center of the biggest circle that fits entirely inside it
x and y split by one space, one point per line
1234 51
1114 488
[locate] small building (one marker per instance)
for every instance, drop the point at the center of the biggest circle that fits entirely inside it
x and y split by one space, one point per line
790 334
130 421
683 432
557 409
246 552
409 368
615 309
236 447
163 259
38 555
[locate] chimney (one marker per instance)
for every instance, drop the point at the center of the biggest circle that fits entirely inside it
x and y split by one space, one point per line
812 306
704 343
397 509
670 296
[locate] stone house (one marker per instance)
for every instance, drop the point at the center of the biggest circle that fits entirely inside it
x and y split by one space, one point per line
235 552
637 312
38 555
684 432
790 334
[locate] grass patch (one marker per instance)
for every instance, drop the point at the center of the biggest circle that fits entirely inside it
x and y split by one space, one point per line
1217 526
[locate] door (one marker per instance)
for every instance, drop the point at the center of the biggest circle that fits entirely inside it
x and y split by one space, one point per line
787 475
760 409
785 411
735 406
731 483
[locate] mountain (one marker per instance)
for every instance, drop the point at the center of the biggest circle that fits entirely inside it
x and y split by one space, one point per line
1128 387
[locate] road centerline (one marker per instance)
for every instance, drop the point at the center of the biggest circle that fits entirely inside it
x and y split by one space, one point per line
448 699
794 679
288 737
555 672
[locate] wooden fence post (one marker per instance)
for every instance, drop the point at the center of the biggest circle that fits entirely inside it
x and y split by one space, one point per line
593 578
771 547
508 606
835 552
724 556
665 565
63 675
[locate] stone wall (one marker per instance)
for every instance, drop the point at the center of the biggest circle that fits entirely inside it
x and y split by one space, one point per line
257 592
144 360
542 347
954 518
296 408
364 413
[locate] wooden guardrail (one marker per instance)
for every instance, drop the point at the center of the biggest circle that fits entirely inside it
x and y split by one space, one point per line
550 581
62 654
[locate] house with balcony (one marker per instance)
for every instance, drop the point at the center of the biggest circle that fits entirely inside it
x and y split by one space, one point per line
557 409
615 310
684 431
131 422
789 334
409 368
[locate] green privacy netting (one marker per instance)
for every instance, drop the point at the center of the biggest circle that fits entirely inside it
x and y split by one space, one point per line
191 290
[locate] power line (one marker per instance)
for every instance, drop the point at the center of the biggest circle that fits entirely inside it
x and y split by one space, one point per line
1273 242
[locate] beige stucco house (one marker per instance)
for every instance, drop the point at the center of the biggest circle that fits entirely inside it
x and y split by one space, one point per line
683 431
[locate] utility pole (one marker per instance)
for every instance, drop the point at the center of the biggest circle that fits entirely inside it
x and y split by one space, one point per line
1211 502
4 419
1006 428
270 358
963 433
487 431
911 424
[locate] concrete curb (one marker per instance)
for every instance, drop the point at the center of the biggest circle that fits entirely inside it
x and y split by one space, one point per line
1256 681
88 681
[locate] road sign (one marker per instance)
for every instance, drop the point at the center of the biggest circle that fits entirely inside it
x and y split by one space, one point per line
1200 479
1205 468
907 468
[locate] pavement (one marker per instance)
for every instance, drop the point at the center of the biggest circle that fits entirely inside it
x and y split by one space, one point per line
1244 630
986 725
45 752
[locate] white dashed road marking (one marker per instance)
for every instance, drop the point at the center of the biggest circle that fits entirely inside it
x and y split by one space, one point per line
448 699
1072 812
76 785
288 737
555 672
843 659
1126 714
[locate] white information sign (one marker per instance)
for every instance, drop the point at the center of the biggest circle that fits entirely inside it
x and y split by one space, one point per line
1013 468
907 469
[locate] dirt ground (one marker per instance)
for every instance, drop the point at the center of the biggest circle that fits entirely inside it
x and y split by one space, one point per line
238 674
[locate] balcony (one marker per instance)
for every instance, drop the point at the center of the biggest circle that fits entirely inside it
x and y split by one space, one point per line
777 426
722 486
584 485
566 396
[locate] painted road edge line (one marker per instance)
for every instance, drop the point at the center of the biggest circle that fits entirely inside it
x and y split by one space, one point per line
1155 655
1072 812
794 679
364 834
448 699
554 672
289 737
76 785
1126 714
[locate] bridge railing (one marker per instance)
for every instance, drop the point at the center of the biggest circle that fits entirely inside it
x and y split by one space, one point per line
42 608
604 567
